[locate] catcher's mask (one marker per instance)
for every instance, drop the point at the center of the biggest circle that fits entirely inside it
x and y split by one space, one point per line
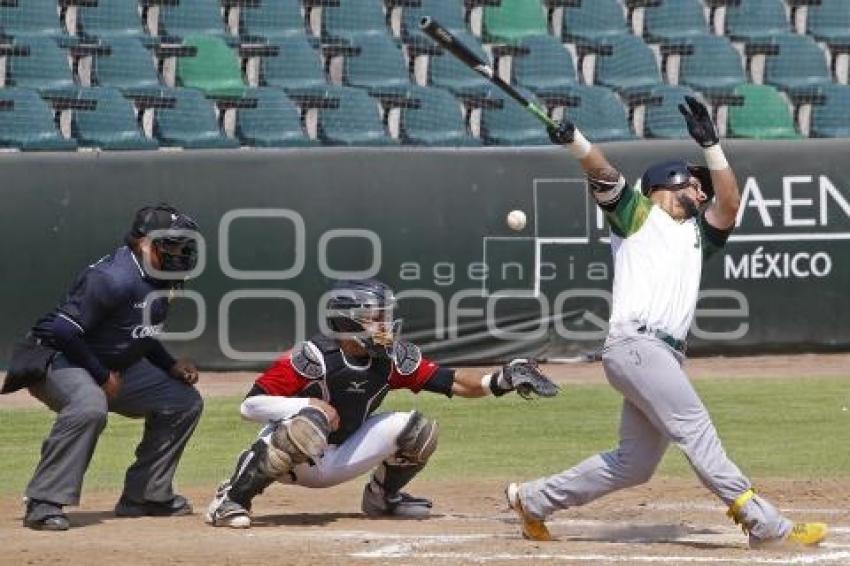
362 310
172 235
675 175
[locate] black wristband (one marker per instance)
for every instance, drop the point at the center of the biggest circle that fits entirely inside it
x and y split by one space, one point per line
494 385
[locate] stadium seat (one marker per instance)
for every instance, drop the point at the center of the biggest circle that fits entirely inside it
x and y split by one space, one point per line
600 114
830 21
594 21
513 20
190 124
665 120
297 68
675 20
129 66
215 69
350 20
30 18
832 118
445 71
272 20
435 119
354 121
756 20
191 17
764 115
26 122
45 68
378 66
630 69
510 123
799 67
547 69
714 65
110 19
275 122
448 13
111 125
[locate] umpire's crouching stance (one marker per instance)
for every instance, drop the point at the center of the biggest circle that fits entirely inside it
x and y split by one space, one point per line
97 352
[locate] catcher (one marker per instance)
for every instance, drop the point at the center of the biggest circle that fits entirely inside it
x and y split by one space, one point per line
317 404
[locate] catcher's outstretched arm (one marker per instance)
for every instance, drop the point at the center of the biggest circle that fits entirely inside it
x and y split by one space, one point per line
468 383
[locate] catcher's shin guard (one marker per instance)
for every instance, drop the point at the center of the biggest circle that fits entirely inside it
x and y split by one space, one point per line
250 477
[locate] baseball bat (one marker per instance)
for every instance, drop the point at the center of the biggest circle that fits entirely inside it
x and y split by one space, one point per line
450 43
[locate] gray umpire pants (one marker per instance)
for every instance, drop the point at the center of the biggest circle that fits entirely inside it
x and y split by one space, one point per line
660 407
171 410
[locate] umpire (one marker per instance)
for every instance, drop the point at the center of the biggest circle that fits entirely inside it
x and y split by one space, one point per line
107 358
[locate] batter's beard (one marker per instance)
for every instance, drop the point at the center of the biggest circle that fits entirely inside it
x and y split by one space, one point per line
690 208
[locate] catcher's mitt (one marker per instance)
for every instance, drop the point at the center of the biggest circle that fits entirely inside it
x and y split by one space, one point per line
524 376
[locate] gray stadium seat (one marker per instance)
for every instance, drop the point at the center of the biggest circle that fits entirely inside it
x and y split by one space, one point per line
297 68
600 114
510 123
547 69
630 69
26 122
111 124
110 19
436 119
45 68
350 20
675 20
191 123
594 21
714 65
26 18
829 21
799 67
665 120
354 121
446 71
272 20
129 66
377 66
191 17
756 20
832 119
275 122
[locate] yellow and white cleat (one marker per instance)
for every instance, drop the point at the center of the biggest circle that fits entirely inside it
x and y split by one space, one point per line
532 529
800 535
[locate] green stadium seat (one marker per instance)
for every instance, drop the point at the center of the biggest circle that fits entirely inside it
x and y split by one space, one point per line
832 119
714 65
378 66
764 115
799 67
594 21
129 66
830 21
111 125
665 120
513 20
354 121
547 68
215 69
296 69
445 71
630 69
272 20
349 20
436 119
110 19
449 13
756 20
45 68
191 123
31 18
674 21
600 114
511 124
275 122
28 124
191 17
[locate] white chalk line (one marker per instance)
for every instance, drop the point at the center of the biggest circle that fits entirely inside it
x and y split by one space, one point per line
714 507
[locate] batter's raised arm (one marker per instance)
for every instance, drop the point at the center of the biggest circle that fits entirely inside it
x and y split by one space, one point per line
723 211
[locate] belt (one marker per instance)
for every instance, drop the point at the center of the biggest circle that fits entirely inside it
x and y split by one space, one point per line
679 345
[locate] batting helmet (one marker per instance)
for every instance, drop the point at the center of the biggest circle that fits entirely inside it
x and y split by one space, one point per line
670 174
363 309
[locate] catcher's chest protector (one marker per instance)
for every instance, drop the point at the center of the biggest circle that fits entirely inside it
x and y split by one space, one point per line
355 393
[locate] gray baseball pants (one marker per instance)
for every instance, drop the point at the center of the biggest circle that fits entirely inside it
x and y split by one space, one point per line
660 407
171 410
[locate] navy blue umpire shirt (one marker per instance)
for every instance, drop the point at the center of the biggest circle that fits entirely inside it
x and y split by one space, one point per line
100 325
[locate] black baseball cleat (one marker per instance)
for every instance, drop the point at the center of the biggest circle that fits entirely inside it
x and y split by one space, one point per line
178 506
45 516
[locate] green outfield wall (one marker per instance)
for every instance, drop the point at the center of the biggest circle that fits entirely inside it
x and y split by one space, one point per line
278 225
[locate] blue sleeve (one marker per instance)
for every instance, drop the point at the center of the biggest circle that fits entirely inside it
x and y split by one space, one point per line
92 298
68 339
159 356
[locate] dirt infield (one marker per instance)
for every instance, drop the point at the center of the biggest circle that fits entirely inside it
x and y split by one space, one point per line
674 522
668 521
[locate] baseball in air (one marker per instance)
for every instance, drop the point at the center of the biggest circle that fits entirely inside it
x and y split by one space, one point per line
516 220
